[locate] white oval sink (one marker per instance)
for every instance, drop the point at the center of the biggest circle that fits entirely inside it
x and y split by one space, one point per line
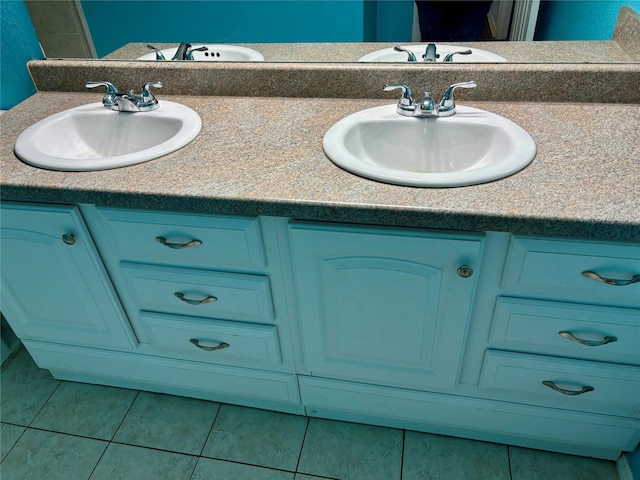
473 146
92 137
215 53
390 55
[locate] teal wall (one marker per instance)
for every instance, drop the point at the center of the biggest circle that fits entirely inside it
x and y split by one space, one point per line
579 19
394 22
115 23
18 45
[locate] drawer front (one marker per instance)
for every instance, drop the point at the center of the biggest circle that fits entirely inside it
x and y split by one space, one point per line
563 383
556 269
234 343
589 332
199 292
185 239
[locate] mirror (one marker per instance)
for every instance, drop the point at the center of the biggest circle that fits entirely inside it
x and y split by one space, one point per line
324 30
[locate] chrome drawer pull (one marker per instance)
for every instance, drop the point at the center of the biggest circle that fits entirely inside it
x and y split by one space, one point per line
178 246
564 391
197 343
611 281
588 343
209 299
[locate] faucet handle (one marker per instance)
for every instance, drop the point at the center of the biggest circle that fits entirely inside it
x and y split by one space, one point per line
109 99
159 54
412 56
447 106
406 100
110 86
146 94
147 101
189 53
449 58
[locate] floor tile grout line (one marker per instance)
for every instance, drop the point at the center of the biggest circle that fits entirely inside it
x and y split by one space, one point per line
45 403
99 460
304 438
213 423
124 417
509 462
14 443
86 437
404 439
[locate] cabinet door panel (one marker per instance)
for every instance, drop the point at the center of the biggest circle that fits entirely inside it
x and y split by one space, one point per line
383 306
54 290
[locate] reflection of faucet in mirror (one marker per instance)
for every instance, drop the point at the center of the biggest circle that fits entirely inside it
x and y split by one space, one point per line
184 52
159 54
430 54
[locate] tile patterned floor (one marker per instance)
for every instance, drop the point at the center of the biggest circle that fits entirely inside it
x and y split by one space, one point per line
71 431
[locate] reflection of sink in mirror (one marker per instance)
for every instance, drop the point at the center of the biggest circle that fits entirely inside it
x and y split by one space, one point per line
477 55
214 53
473 146
92 137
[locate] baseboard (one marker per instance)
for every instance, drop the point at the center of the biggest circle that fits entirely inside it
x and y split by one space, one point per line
624 468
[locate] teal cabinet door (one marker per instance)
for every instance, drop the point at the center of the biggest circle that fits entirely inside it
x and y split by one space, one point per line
54 285
384 306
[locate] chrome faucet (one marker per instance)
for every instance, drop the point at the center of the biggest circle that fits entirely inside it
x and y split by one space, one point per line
184 52
430 54
427 107
412 56
181 52
128 102
449 58
159 54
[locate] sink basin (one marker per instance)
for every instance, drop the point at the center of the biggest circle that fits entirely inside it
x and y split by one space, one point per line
215 53
390 55
473 146
92 137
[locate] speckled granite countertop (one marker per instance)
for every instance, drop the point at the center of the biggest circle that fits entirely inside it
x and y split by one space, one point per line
263 156
516 52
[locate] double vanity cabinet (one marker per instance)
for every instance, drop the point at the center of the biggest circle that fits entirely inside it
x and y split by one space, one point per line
487 335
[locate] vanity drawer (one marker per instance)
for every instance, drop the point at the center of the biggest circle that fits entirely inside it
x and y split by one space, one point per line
201 293
242 344
556 269
571 384
589 332
184 239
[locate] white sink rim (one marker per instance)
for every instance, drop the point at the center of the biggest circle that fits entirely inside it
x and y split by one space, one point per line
522 149
478 56
248 54
27 150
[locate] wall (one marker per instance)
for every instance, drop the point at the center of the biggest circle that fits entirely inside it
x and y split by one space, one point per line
579 19
394 21
18 44
223 21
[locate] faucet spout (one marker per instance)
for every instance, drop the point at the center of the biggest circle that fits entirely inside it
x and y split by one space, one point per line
430 54
181 52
